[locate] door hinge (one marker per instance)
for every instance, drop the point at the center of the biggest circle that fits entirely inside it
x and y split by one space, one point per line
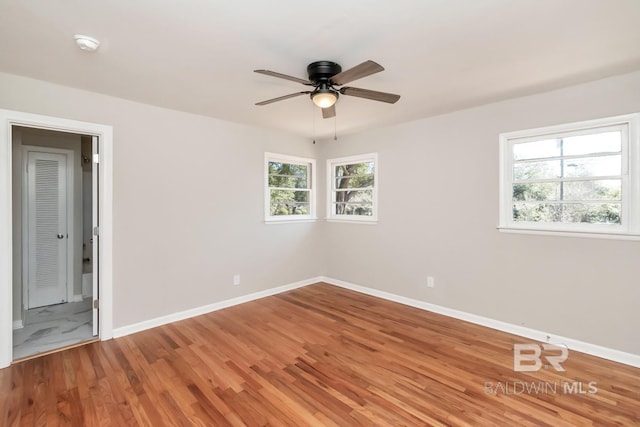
96 158
96 231
96 303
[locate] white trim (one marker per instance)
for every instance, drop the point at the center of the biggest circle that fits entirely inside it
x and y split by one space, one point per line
71 195
17 324
572 344
543 232
344 221
331 194
290 221
186 314
287 219
105 133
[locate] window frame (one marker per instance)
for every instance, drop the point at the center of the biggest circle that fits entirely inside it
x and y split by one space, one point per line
311 177
630 179
331 192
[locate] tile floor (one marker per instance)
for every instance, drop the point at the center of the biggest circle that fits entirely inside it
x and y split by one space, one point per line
54 326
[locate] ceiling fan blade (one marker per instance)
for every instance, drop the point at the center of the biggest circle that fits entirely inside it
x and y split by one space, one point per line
359 71
370 94
283 76
329 112
281 98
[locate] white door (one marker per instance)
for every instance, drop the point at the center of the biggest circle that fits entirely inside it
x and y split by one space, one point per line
96 234
47 228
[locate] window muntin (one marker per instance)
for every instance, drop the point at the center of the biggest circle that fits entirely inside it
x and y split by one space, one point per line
571 178
290 191
353 188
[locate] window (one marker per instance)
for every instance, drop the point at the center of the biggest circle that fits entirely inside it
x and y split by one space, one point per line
289 188
352 188
581 178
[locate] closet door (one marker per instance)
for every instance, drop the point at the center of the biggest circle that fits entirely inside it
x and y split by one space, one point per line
47 228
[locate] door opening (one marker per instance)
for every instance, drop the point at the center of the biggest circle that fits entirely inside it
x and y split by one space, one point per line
54 198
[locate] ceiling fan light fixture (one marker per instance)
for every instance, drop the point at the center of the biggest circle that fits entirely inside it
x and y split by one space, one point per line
324 98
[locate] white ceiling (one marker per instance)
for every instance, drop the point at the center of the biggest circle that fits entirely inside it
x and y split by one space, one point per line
199 55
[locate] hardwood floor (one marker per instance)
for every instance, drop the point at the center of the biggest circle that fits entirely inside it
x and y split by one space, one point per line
318 355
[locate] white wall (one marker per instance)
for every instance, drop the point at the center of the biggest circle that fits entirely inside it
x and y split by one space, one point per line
188 202
188 206
439 211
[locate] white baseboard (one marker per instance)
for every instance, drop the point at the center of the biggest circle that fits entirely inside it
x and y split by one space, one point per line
17 324
174 317
572 344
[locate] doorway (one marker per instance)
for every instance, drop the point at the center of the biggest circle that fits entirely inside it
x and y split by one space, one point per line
69 272
52 221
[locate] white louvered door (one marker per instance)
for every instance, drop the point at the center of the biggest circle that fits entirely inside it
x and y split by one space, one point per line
47 228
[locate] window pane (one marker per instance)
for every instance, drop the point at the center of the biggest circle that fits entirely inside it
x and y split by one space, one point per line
356 196
570 168
365 168
536 191
353 209
605 142
279 168
286 202
352 187
547 169
287 182
610 189
593 166
355 182
592 213
536 149
593 190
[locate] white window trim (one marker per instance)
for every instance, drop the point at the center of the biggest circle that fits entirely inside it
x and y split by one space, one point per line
630 227
287 219
331 163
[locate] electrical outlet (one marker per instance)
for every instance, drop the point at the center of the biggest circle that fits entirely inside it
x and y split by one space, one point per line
236 279
431 282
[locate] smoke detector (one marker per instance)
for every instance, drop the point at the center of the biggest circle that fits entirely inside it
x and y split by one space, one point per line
86 43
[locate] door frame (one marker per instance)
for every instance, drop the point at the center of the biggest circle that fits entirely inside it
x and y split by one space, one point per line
70 196
8 119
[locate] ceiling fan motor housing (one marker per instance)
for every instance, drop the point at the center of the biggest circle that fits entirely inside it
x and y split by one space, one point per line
322 71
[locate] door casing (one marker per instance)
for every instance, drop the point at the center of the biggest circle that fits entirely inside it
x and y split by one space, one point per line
8 119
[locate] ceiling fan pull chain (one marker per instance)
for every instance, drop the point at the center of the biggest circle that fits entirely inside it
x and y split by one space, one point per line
335 128
313 114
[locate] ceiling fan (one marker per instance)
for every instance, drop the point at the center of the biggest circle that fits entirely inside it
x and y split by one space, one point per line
324 76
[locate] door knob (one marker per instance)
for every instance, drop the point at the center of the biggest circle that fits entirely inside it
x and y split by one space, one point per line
60 236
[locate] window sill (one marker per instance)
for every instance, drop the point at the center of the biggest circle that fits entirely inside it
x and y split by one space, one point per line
352 221
564 233
289 221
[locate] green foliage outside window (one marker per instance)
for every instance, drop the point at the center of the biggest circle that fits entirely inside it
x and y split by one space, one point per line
288 188
570 191
354 194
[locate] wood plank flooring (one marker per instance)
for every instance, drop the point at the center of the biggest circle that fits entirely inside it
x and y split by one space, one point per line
318 355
